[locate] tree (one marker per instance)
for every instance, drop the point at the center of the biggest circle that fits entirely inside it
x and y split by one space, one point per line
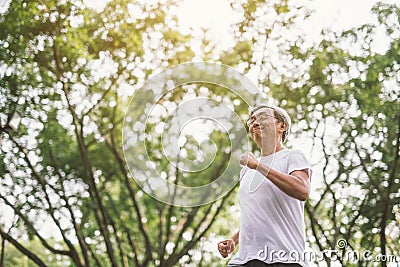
70 71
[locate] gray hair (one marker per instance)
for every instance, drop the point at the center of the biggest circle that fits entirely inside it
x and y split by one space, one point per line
280 114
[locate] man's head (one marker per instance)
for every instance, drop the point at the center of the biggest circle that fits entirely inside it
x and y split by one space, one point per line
277 113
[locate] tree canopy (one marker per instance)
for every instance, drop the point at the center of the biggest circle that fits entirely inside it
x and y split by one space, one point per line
69 71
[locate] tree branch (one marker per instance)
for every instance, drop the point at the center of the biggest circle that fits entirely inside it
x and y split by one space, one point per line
22 249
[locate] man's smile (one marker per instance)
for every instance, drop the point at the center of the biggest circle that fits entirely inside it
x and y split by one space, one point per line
257 128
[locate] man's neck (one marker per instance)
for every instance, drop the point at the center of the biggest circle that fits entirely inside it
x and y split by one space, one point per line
269 150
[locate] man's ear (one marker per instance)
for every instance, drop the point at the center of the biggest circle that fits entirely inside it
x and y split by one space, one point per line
284 126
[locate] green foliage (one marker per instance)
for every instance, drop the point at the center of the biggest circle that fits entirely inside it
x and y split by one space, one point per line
13 257
66 159
64 166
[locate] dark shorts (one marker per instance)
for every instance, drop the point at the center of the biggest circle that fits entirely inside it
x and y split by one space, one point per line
257 263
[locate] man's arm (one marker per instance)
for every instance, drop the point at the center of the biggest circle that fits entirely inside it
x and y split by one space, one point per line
296 184
235 237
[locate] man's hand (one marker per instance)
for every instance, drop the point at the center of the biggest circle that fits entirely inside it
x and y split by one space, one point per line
226 247
249 160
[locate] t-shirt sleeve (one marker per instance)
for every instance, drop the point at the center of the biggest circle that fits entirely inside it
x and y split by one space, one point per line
298 161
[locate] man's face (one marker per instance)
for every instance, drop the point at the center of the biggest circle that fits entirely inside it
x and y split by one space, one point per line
263 125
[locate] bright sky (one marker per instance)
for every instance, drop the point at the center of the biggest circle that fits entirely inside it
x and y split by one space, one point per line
336 14
218 16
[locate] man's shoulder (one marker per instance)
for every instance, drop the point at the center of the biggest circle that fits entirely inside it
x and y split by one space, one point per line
290 152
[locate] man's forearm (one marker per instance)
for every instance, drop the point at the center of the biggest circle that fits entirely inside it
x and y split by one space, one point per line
235 237
293 185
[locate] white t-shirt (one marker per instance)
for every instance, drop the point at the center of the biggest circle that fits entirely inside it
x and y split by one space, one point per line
271 222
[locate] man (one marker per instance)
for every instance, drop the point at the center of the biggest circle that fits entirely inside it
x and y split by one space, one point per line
272 193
